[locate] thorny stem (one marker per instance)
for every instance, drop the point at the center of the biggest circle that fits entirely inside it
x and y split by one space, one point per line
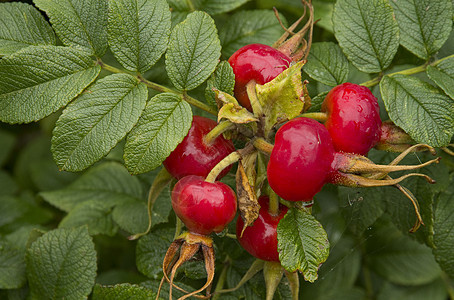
410 71
161 88
217 131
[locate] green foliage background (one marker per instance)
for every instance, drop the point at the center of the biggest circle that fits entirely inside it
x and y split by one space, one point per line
107 89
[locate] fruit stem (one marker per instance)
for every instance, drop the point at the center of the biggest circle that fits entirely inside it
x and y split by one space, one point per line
294 283
272 271
222 127
161 88
160 182
318 116
274 203
410 71
224 163
262 145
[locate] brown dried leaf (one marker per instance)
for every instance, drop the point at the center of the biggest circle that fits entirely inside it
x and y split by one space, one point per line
247 199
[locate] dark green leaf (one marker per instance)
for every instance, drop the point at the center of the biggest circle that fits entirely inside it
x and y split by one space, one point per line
420 109
424 24
399 259
442 74
108 182
151 250
97 120
12 267
326 63
222 79
7 184
138 32
7 140
443 228
39 80
194 51
62 265
79 23
93 213
132 216
367 33
21 25
363 206
11 209
212 7
124 291
302 243
46 176
248 27
162 126
434 291
316 102
324 12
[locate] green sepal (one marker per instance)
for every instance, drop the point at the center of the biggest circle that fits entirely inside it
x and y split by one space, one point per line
284 97
232 110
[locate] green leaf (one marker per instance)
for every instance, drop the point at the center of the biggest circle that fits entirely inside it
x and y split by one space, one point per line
7 184
95 214
79 24
302 243
212 7
326 63
97 120
62 265
316 102
106 183
434 291
21 25
222 79
39 80
324 12
46 176
442 74
10 209
194 51
367 33
151 250
133 217
400 259
443 228
7 140
232 110
249 27
424 25
420 109
124 291
163 125
283 98
138 32
362 207
12 267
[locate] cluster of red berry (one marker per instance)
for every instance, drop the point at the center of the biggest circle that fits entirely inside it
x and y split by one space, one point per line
306 155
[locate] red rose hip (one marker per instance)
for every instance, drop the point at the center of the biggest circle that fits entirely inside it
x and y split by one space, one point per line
260 239
204 207
353 118
300 162
257 62
193 156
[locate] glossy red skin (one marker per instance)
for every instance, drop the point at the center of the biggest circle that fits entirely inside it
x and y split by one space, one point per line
300 163
260 239
257 62
353 118
203 207
193 156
